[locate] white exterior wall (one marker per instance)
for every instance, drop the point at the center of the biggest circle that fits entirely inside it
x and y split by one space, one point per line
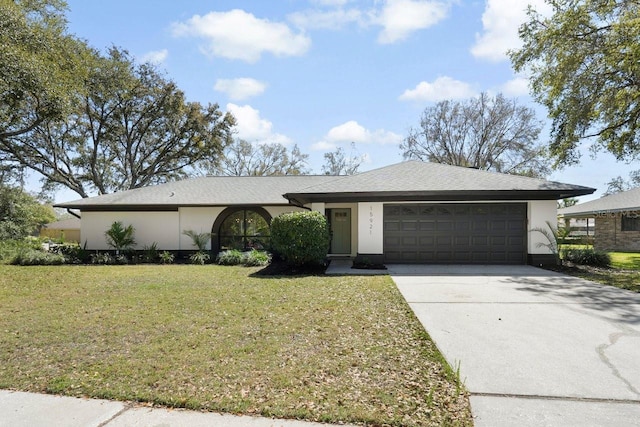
370 230
274 211
539 212
159 227
198 219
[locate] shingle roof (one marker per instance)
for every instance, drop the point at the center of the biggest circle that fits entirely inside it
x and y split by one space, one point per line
205 191
64 224
624 201
412 180
422 179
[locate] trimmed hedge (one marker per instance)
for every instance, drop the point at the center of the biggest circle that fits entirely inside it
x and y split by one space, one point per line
300 238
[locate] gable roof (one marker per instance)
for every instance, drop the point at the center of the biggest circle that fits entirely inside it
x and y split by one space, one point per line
410 181
416 180
624 201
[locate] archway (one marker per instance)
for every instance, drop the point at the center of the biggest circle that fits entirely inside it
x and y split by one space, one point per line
241 228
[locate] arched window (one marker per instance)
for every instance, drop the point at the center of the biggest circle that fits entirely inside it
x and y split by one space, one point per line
244 229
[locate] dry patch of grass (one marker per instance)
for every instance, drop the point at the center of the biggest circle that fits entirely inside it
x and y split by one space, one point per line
334 349
623 279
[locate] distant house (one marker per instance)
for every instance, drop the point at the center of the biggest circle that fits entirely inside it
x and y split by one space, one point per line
66 229
410 212
617 220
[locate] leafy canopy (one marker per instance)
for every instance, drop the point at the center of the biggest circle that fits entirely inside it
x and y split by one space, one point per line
43 67
131 128
584 63
491 133
21 214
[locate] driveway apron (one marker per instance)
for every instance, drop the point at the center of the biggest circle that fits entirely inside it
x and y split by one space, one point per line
533 347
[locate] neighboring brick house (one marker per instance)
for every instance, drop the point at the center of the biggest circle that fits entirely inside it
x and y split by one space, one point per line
617 220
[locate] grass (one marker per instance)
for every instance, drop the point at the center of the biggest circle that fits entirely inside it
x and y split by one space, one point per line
624 272
213 338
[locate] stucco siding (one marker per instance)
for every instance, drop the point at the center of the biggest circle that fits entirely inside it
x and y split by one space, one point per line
370 228
539 213
199 220
150 227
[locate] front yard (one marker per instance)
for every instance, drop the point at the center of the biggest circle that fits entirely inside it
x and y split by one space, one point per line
624 272
212 338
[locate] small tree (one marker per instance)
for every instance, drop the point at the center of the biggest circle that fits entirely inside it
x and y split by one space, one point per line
120 238
300 238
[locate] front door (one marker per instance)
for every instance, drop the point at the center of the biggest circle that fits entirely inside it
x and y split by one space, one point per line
340 231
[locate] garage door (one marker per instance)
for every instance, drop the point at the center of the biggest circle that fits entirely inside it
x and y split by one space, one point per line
482 233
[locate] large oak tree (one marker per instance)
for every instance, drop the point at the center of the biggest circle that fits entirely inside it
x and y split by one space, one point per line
43 67
584 63
484 132
132 127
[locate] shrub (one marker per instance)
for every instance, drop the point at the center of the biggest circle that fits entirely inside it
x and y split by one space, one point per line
200 258
151 253
254 258
230 257
10 248
73 252
37 257
119 237
300 238
587 257
102 258
199 240
166 257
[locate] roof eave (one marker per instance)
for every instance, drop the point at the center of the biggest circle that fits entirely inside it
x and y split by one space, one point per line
413 196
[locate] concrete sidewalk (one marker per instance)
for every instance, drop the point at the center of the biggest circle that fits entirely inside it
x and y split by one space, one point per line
534 347
18 409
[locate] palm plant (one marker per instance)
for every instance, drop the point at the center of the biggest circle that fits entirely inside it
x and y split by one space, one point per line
120 237
200 240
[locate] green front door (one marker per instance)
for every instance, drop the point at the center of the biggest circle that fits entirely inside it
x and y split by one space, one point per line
340 231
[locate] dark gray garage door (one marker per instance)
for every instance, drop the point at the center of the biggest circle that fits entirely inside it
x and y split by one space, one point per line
481 233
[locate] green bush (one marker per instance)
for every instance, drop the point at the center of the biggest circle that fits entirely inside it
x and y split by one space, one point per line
74 253
119 237
200 258
587 257
300 238
10 248
37 257
166 257
102 258
254 258
230 257
150 253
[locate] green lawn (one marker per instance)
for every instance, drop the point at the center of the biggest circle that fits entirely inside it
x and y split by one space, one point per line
624 272
335 349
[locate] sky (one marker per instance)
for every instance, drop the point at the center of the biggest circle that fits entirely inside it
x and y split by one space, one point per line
324 74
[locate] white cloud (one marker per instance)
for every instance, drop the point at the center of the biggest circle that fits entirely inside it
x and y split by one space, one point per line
253 128
331 2
332 19
352 131
323 146
155 57
500 22
241 88
399 18
442 88
516 87
240 35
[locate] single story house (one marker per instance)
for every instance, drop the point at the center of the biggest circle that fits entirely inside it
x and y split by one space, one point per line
617 220
66 229
410 212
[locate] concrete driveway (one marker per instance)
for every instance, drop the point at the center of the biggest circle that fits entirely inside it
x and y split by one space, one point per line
535 348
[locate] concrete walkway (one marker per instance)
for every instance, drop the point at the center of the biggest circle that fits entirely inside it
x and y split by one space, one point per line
18 409
535 348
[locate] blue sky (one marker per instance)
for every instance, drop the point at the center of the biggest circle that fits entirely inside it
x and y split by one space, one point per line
325 73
